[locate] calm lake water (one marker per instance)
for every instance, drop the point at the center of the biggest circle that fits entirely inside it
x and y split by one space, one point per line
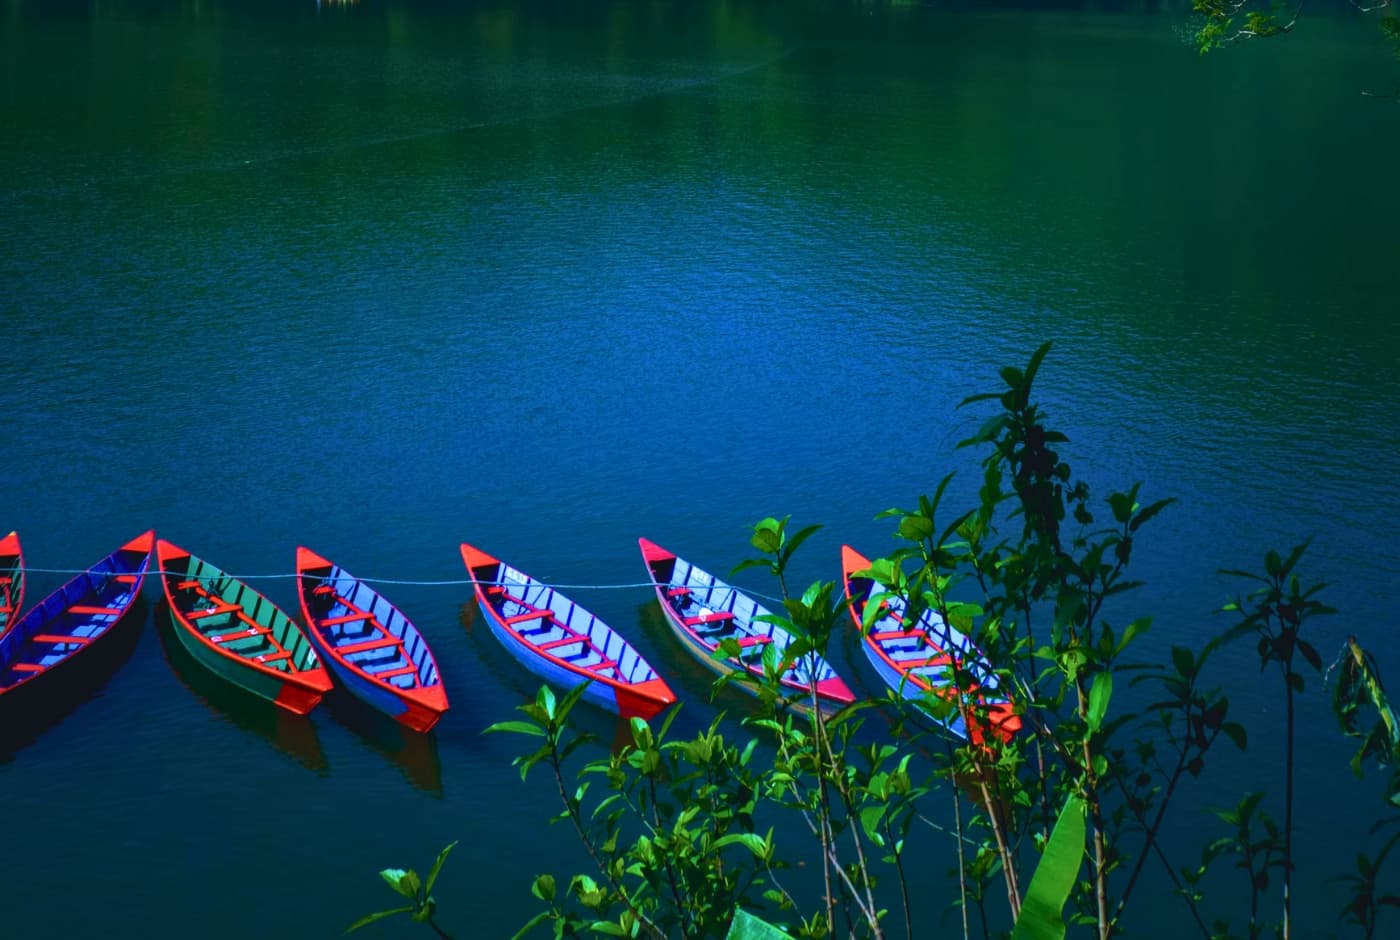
549 277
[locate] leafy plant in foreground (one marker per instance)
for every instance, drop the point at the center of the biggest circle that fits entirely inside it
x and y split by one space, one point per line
1035 574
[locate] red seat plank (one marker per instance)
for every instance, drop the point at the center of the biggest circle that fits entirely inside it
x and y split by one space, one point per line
714 617
879 636
375 644
26 667
345 618
211 611
270 657
85 609
240 635
391 673
55 638
531 615
562 641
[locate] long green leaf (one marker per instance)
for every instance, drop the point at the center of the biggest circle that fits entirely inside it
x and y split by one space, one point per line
377 915
437 867
746 926
1099 694
1054 878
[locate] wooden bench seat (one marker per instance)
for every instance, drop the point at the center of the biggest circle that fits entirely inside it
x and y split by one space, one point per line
346 618
375 644
57 638
391 673
714 617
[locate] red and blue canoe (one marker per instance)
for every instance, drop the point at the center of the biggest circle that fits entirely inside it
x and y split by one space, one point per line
704 611
78 617
368 644
918 660
238 634
561 642
11 580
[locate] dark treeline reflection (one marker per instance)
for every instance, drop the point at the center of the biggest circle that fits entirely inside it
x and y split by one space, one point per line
556 9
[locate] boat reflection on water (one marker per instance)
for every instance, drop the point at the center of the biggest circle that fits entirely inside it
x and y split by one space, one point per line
293 735
37 707
415 754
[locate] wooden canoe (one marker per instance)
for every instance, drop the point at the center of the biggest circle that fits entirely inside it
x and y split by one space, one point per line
916 660
238 634
78 617
368 644
11 581
703 610
561 642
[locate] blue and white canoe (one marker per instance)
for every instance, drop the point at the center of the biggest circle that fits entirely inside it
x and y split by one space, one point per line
561 642
703 611
76 619
369 645
919 660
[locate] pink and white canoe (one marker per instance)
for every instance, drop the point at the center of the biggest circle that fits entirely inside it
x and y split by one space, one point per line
11 580
703 611
561 642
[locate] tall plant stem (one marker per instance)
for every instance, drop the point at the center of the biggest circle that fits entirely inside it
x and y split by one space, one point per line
962 862
1091 797
682 912
1008 863
1288 805
588 845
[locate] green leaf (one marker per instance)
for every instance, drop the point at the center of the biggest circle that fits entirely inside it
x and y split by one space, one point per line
798 539
516 727
1054 878
768 535
1235 732
543 888
1099 694
752 841
396 878
437 867
378 915
532 923
545 700
746 926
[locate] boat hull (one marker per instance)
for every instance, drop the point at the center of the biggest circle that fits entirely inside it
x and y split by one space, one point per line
293 698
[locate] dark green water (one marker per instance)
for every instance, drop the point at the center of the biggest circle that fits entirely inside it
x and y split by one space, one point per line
549 277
